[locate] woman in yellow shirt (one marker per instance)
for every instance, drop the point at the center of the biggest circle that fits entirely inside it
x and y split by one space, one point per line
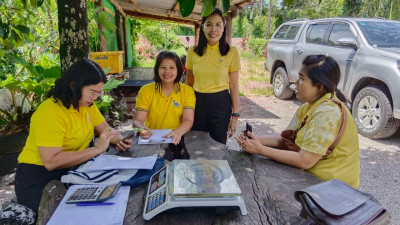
317 123
166 103
213 72
60 132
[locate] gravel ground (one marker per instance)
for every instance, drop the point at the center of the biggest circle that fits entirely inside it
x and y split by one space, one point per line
268 115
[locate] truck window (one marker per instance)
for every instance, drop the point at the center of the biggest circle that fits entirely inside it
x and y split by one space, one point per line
287 31
315 33
339 31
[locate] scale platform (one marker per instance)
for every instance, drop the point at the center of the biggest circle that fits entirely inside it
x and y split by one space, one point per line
193 183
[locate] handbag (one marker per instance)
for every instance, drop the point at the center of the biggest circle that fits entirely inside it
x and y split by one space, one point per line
289 136
335 202
178 151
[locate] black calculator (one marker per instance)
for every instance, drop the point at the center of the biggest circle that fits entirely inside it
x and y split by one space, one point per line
93 194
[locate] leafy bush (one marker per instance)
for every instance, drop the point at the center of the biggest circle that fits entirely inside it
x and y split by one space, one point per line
257 45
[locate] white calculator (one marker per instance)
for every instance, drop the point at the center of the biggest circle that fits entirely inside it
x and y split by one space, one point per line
93 194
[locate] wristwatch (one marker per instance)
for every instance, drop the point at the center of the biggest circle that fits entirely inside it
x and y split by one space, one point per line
236 114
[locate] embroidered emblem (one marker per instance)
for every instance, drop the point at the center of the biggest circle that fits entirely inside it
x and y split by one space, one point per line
176 104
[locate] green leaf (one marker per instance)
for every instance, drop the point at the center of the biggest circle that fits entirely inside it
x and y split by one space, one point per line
10 83
225 6
111 84
38 69
52 72
4 30
208 7
2 53
39 3
33 2
186 7
106 98
22 29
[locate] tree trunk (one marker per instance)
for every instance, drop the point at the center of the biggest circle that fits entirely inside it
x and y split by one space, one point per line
269 19
73 30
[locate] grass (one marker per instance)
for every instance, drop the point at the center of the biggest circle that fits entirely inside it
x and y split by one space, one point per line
253 79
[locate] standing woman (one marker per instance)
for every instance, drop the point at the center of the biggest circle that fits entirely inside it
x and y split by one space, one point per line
61 130
213 72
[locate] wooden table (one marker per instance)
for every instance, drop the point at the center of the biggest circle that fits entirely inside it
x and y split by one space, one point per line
267 187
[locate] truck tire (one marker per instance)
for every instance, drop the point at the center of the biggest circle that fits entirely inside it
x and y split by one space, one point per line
373 113
280 83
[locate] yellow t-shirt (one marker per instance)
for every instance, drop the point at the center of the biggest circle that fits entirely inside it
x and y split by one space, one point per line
318 134
53 125
211 71
164 112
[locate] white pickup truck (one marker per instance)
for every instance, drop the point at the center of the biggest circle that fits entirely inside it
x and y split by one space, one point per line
368 53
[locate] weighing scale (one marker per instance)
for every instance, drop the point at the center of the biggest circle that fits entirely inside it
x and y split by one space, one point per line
193 183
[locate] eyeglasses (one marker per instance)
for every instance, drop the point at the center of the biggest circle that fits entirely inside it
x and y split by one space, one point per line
219 26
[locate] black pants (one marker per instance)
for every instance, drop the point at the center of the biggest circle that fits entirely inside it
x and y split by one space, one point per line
30 181
213 114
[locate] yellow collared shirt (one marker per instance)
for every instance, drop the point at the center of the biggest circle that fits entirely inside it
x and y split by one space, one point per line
318 134
53 125
164 112
211 71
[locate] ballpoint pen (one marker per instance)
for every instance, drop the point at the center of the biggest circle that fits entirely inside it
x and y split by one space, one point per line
93 203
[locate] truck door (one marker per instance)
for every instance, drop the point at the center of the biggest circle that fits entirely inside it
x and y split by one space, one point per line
310 43
344 56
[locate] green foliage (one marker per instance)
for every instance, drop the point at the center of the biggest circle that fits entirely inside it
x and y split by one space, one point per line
257 46
105 99
186 7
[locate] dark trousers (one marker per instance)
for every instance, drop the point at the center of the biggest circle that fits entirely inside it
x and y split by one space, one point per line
30 181
213 114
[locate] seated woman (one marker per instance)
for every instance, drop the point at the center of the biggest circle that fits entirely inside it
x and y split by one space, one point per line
61 130
166 103
315 126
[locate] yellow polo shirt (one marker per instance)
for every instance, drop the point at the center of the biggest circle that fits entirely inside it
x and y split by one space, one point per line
164 112
53 125
318 134
211 71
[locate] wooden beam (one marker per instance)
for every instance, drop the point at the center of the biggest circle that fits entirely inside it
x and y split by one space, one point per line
118 24
125 41
163 18
109 11
118 7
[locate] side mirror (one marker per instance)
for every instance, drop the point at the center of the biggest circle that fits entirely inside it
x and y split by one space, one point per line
347 42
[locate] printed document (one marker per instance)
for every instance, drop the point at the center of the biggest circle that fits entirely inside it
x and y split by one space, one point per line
112 162
156 138
71 214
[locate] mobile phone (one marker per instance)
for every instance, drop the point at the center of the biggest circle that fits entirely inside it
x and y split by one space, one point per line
248 128
129 135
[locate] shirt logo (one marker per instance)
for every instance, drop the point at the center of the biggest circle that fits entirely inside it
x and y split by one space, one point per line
176 104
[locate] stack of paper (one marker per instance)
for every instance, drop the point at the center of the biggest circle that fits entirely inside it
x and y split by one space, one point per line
157 137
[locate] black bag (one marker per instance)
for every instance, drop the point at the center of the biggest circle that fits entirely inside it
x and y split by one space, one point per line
335 202
178 151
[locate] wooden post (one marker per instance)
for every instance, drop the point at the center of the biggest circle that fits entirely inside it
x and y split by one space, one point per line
118 24
102 39
228 27
125 42
196 33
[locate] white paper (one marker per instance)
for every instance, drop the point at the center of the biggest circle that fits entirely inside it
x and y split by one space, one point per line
111 162
156 138
70 214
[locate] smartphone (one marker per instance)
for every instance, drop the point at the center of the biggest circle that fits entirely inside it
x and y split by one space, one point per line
248 128
129 135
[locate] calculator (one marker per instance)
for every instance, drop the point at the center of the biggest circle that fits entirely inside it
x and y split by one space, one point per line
93 194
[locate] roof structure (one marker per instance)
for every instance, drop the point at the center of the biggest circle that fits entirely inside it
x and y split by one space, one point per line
168 10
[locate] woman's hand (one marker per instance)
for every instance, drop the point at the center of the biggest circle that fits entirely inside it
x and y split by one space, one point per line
145 132
232 126
124 145
252 146
105 138
176 136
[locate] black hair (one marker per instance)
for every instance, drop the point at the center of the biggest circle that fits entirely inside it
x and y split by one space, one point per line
82 73
202 44
168 55
322 69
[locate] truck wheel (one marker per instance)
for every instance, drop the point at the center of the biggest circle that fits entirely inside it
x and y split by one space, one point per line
373 113
281 84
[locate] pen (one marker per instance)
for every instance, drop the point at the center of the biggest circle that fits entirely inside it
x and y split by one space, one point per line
93 203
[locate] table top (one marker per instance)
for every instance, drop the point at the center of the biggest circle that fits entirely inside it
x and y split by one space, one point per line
267 187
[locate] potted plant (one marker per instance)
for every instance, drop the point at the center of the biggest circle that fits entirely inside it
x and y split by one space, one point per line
20 95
